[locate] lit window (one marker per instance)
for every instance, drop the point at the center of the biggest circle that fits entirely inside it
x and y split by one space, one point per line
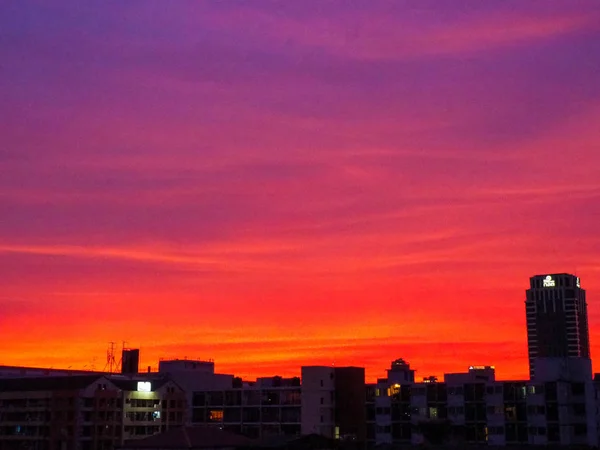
144 386
215 415
510 412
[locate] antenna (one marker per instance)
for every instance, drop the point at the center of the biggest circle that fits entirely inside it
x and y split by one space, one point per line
110 358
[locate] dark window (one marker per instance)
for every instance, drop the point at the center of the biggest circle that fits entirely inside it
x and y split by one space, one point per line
551 392
579 409
578 389
214 399
251 414
510 432
522 432
198 399
370 413
470 413
551 412
198 415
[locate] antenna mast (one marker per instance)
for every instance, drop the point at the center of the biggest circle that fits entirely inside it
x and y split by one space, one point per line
110 357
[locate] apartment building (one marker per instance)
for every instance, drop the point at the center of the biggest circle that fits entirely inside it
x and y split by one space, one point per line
270 406
329 401
389 406
333 402
196 376
150 406
85 412
559 407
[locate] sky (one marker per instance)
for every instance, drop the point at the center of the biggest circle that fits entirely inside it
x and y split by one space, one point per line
276 184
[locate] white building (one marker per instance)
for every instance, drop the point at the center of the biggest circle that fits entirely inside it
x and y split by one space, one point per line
557 408
333 402
193 376
392 404
562 403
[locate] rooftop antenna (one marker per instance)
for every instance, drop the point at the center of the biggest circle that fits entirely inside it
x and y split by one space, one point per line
110 358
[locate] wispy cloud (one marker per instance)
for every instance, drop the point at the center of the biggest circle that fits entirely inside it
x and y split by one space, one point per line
376 34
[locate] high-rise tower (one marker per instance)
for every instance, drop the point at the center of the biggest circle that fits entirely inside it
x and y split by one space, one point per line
557 319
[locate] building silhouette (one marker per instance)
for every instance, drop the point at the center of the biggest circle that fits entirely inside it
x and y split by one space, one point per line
130 361
557 319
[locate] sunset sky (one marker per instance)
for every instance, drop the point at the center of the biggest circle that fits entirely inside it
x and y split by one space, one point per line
271 184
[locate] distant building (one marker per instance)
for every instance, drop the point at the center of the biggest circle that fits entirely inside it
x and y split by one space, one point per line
557 318
185 365
130 361
23 371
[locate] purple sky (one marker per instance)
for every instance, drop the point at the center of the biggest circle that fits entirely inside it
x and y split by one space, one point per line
273 157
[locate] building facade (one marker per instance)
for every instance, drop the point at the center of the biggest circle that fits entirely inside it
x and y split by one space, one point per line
391 407
268 407
557 318
559 407
85 412
325 400
333 402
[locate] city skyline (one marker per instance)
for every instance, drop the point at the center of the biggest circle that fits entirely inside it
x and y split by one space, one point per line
276 186
557 285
